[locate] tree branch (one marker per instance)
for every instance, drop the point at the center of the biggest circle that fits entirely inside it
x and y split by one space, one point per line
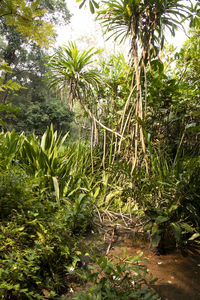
94 118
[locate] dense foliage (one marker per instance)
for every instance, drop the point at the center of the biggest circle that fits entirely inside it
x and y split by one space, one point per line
37 228
23 67
47 203
140 156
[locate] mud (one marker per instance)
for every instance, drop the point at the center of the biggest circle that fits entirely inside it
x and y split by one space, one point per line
178 273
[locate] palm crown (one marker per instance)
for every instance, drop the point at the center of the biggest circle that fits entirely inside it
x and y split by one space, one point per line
71 71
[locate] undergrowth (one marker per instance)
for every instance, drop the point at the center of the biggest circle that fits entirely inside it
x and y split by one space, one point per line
120 279
50 198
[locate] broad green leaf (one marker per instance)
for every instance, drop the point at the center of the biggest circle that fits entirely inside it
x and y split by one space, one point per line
176 231
156 228
91 7
81 5
95 4
194 236
20 228
96 192
161 219
56 187
187 227
156 237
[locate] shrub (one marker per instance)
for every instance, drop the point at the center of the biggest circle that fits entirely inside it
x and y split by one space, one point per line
15 190
35 252
125 279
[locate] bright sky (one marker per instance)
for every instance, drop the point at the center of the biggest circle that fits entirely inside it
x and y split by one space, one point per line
82 25
84 30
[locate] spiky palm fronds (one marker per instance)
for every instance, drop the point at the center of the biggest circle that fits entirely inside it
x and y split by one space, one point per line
72 70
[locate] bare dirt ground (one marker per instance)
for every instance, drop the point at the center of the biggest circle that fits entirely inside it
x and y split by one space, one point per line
178 273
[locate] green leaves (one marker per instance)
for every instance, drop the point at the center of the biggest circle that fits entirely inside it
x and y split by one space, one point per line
10 145
176 228
161 219
92 5
29 240
37 230
56 188
27 18
125 11
123 279
194 236
156 238
71 70
44 159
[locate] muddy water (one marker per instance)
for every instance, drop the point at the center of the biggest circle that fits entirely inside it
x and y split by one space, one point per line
178 274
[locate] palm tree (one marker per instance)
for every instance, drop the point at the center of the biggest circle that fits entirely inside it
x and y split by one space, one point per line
143 22
70 71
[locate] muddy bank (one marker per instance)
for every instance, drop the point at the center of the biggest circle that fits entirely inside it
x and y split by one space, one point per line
178 273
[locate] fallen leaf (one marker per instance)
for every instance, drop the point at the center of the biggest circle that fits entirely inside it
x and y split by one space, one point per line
169 281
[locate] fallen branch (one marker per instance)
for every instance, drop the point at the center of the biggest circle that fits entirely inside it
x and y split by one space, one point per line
111 241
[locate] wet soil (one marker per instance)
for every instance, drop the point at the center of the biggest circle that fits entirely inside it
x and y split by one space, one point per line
178 272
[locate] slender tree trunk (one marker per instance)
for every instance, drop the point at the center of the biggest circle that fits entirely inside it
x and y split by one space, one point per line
134 54
91 145
139 114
